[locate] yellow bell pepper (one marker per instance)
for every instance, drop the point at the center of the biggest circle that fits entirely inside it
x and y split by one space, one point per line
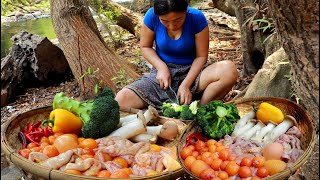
267 112
65 121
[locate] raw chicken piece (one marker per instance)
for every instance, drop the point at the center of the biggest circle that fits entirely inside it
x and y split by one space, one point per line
37 157
58 161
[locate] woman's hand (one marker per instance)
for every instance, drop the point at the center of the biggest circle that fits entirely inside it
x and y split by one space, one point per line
185 94
164 78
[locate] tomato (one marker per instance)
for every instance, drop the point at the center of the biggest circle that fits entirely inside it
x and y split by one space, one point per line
192 147
73 171
224 165
185 152
36 149
232 168
87 151
119 174
211 142
31 145
188 161
104 173
207 174
50 151
25 152
65 142
212 148
122 162
216 163
51 139
80 139
219 148
224 154
198 166
246 162
218 144
88 143
262 172
195 154
44 144
223 175
216 178
44 139
204 155
209 160
245 172
127 170
205 149
200 145
258 161
214 155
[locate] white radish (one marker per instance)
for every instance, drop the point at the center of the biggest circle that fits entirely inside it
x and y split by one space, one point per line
242 121
280 129
262 132
249 133
242 129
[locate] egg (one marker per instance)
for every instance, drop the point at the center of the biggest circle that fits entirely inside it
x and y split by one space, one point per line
273 151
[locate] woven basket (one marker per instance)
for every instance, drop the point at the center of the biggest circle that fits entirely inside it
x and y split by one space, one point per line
10 145
305 124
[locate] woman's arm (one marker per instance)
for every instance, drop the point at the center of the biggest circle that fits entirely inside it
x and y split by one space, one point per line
146 43
202 46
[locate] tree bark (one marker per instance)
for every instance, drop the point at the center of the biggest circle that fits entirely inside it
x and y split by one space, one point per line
84 47
127 20
297 23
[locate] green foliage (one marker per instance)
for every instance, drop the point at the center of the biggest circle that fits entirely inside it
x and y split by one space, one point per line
121 79
100 116
92 74
266 25
10 6
217 119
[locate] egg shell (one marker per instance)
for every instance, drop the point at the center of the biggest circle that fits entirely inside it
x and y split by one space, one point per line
273 151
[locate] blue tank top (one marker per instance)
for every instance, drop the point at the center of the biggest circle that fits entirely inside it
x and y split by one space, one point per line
183 50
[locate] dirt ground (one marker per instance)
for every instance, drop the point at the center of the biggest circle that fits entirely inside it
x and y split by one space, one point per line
224 44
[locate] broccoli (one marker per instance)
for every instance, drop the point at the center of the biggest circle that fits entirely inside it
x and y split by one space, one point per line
100 116
171 110
217 119
186 113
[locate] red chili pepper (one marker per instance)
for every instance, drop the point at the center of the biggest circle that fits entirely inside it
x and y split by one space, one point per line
197 136
30 138
36 133
29 127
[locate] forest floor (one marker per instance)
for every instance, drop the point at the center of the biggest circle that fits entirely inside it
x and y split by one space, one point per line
224 45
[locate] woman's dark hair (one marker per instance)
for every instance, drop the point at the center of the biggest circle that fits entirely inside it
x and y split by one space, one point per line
162 7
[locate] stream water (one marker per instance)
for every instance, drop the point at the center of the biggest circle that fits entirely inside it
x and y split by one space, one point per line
42 27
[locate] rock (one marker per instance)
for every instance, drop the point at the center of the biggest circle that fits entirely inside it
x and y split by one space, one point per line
12 173
271 79
31 59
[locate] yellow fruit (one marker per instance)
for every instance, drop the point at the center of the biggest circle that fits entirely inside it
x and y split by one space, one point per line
274 166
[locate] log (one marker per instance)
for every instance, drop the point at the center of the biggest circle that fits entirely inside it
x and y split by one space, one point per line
30 58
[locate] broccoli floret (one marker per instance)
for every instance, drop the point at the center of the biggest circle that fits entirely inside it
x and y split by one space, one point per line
217 119
100 116
186 113
171 110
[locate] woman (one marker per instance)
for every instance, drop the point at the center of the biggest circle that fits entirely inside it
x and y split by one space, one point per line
181 37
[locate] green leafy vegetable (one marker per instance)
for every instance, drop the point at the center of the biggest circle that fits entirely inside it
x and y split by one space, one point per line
217 119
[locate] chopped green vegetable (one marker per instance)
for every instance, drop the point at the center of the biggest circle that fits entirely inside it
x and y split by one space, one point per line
100 116
185 112
217 119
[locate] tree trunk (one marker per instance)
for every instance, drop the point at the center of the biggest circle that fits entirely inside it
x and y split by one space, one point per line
127 19
84 47
297 23
253 49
